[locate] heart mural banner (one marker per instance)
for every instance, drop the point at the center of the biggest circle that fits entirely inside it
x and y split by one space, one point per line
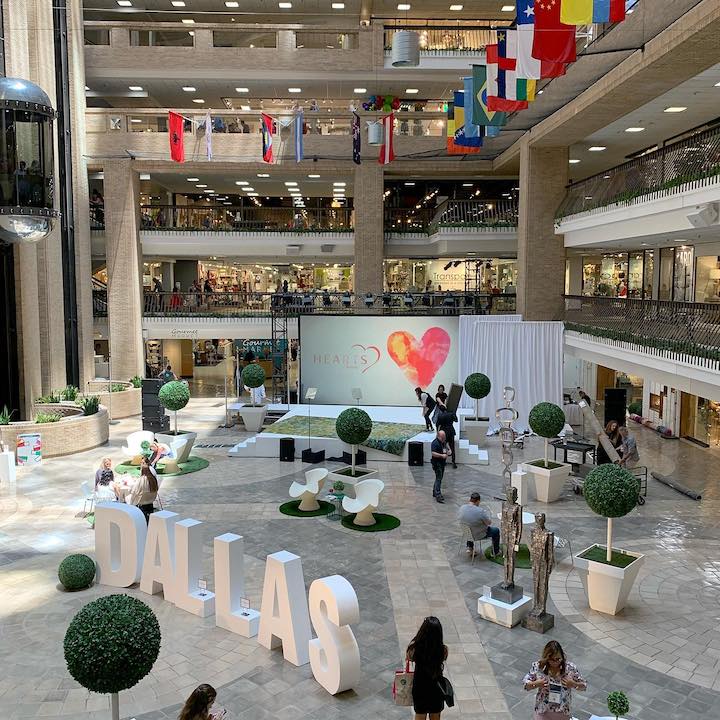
386 357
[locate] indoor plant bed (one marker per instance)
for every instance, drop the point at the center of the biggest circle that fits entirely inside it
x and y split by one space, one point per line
547 420
477 386
253 416
608 577
175 396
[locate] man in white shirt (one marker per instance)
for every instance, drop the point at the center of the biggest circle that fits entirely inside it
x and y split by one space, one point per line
479 519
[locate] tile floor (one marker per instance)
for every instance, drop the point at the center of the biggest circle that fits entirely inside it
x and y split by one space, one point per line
663 650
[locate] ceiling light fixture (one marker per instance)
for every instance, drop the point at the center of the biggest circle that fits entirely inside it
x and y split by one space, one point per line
135 88
144 176
284 5
199 101
634 129
507 8
193 179
188 21
359 91
411 91
573 161
674 109
189 88
456 8
232 4
314 177
291 183
263 174
339 184
249 189
338 6
242 90
294 90
597 148
201 186
178 3
124 3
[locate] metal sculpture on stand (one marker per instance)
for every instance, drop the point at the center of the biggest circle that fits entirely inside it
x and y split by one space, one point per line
510 536
506 416
542 554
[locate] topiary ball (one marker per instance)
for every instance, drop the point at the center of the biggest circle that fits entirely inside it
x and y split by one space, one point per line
611 491
477 386
618 704
253 376
546 419
353 426
76 572
112 643
174 395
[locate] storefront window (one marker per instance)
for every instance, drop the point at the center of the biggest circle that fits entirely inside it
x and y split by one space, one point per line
683 281
707 422
605 275
649 271
635 275
707 279
667 261
456 275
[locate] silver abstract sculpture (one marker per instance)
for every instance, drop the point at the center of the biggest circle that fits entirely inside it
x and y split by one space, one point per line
506 416
510 536
542 554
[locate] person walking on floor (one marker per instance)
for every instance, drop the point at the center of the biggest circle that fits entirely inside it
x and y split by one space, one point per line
429 653
554 678
439 454
427 404
445 422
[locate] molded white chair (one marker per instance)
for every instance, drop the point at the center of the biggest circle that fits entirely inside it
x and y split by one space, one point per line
88 496
170 462
467 536
134 441
314 481
365 502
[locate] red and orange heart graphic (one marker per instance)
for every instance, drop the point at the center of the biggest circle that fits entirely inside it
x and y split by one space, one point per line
419 359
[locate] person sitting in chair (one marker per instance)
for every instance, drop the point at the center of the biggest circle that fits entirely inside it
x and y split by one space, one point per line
144 489
479 519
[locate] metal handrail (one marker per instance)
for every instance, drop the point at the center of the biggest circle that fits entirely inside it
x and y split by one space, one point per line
440 40
690 163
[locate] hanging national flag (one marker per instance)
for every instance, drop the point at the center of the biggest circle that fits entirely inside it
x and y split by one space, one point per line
208 135
497 94
472 131
481 114
387 154
175 133
299 123
474 140
506 57
528 66
266 126
576 12
608 11
456 131
491 131
553 40
356 138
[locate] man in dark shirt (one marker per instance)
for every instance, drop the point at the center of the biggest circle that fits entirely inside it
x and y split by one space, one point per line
439 458
445 422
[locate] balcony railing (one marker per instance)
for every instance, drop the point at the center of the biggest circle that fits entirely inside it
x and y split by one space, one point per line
252 304
224 218
688 164
461 214
445 41
99 297
686 332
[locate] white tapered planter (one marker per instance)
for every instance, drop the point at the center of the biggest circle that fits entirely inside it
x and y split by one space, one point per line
169 438
607 586
548 483
253 417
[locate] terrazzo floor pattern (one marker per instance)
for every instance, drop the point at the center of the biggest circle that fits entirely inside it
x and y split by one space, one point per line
664 650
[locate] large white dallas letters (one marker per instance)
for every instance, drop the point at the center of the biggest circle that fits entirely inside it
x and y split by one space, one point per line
169 551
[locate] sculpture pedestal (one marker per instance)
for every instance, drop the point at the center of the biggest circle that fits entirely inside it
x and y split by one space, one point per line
521 481
246 622
539 623
509 595
507 615
7 467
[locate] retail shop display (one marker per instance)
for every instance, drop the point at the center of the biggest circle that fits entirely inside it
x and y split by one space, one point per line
542 555
547 420
76 572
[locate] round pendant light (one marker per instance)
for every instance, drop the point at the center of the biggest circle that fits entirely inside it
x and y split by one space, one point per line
375 133
405 48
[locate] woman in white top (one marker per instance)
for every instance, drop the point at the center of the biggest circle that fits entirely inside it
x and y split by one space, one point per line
104 482
144 489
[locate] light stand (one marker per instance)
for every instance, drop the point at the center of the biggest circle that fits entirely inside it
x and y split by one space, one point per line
308 455
357 395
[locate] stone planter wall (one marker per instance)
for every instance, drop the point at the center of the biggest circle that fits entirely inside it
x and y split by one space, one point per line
74 433
124 404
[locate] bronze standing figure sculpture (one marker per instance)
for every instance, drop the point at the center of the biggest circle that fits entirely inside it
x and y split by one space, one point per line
542 554
510 536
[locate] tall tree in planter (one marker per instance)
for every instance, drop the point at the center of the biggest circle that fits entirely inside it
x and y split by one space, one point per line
353 426
174 396
112 644
477 386
546 420
253 376
612 492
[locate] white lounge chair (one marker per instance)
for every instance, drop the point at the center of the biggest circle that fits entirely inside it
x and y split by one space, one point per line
314 481
134 441
169 462
365 502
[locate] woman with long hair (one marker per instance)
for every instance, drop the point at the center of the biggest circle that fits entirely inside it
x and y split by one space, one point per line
197 706
145 489
612 430
554 677
429 653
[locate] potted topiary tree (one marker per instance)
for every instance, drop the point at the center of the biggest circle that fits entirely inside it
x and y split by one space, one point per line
112 644
253 415
618 704
607 573
353 426
174 396
477 386
547 420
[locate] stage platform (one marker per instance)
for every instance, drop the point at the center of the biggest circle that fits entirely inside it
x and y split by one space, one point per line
267 444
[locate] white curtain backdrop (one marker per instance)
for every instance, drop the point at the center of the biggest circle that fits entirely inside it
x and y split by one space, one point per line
526 355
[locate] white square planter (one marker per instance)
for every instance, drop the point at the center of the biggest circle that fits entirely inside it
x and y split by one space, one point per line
476 430
253 417
168 438
607 586
548 482
348 480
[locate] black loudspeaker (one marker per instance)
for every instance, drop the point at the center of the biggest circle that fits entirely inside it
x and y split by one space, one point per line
360 458
287 449
615 405
313 456
415 453
154 418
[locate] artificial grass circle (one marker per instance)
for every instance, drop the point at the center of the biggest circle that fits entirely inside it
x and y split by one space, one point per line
193 464
522 557
383 523
292 509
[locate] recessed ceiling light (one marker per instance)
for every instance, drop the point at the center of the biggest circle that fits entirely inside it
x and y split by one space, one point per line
189 88
144 176
456 8
242 90
263 174
135 120
597 148
232 4
411 91
313 176
254 194
339 184
201 186
284 5
199 101
193 179
242 182
188 21
289 184
574 161
249 189
86 87
507 8
135 88
403 6
675 109
124 3
359 91
338 6
178 3
540 92
634 129
209 191
294 90
717 84
467 184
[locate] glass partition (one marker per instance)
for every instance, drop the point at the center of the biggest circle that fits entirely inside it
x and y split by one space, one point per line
161 38
96 36
329 40
244 39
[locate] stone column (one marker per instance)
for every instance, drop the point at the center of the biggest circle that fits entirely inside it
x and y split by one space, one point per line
124 261
369 231
541 253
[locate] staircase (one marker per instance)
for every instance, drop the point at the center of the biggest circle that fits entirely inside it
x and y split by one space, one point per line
469 454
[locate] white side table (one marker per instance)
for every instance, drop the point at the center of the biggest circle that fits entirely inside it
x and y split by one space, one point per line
7 466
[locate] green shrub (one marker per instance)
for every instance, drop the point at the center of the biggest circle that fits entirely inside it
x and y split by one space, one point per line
117 387
477 386
89 404
253 376
635 407
618 704
76 572
611 491
546 420
353 426
136 381
70 393
112 643
174 395
47 417
5 415
53 397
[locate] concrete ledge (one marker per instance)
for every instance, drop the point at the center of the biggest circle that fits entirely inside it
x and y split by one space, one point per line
123 404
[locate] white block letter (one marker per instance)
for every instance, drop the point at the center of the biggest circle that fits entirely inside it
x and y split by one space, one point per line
188 570
284 617
120 533
334 655
158 572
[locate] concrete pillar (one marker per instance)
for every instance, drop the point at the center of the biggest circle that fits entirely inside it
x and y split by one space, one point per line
167 270
369 231
574 267
124 269
541 253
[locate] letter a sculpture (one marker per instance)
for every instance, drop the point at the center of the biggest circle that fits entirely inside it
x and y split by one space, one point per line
510 534
542 554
